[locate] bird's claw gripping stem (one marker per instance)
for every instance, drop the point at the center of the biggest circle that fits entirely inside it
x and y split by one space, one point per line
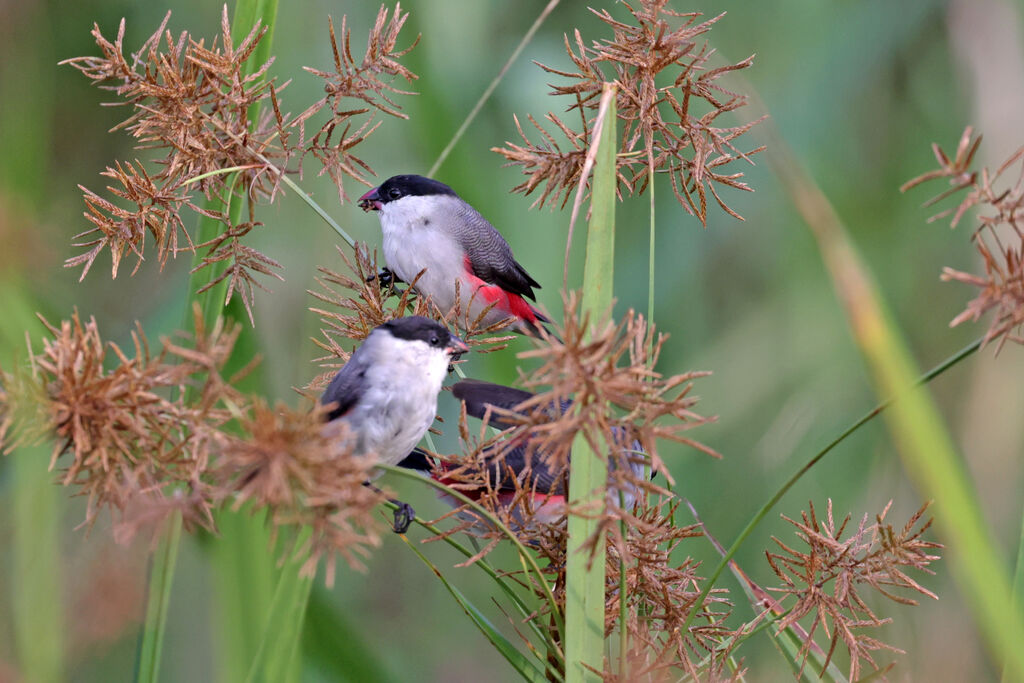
404 516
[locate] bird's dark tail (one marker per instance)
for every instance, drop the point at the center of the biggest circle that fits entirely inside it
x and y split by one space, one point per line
417 460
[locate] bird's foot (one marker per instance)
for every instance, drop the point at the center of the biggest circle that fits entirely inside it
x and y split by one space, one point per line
386 279
404 516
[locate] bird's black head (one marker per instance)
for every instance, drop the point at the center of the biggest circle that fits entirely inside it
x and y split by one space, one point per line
399 186
416 327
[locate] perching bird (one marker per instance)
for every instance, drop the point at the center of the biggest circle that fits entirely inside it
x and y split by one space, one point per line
387 391
426 225
547 486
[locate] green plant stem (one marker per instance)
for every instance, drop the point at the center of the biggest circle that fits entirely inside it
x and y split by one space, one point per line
650 256
588 476
493 85
36 566
766 508
523 666
161 577
1016 595
275 656
527 613
212 304
525 556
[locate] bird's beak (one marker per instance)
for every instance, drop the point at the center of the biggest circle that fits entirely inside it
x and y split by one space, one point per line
370 201
456 347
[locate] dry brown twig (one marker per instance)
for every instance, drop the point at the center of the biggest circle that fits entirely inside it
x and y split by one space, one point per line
156 434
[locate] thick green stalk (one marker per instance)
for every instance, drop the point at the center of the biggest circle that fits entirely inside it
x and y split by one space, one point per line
36 566
588 476
275 659
243 563
36 505
161 578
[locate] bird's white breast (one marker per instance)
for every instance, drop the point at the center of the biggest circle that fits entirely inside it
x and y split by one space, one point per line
400 402
417 236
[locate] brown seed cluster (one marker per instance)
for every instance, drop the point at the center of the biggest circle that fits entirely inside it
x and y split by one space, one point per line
827 579
302 470
197 104
668 102
167 432
356 303
144 427
999 237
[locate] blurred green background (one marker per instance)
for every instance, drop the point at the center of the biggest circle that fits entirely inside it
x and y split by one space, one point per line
858 90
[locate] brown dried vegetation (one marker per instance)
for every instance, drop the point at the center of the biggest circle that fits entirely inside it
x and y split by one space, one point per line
194 103
999 237
873 556
356 303
167 432
665 128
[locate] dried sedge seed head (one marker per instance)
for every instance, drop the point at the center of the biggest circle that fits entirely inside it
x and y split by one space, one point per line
999 238
660 595
128 429
193 103
607 371
665 128
358 304
369 82
873 556
302 470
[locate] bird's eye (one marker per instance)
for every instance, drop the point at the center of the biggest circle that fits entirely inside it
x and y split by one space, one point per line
434 340
394 193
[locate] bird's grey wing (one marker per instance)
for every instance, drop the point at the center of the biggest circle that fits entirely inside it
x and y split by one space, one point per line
478 394
347 387
490 257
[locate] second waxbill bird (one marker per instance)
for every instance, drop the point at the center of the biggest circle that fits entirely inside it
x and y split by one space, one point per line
427 226
387 391
509 472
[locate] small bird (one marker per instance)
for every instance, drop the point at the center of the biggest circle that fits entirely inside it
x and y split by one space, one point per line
387 391
427 226
547 485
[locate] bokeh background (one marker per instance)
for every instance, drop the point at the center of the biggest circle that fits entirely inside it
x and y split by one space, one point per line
857 90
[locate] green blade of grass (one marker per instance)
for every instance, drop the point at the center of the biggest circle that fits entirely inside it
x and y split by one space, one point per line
530 565
585 569
492 87
523 666
529 615
161 577
36 566
282 631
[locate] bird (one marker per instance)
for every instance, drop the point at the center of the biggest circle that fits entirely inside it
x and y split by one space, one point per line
427 226
387 391
545 484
